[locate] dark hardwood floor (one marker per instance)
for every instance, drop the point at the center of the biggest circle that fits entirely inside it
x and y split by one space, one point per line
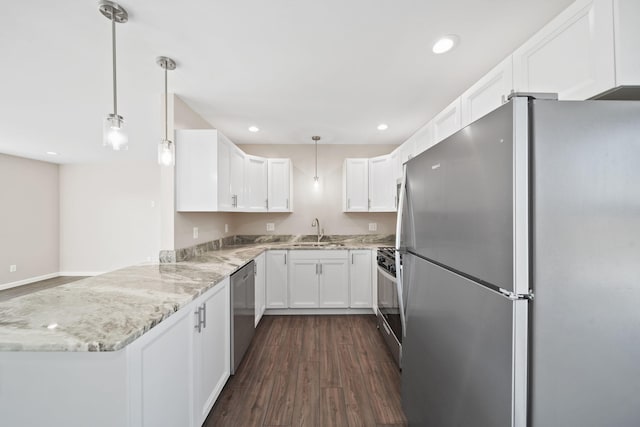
315 371
7 294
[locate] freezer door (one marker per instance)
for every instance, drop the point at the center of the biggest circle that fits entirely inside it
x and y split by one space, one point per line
461 195
585 367
458 355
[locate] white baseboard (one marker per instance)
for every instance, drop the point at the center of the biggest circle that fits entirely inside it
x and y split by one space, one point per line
81 273
48 276
320 311
27 281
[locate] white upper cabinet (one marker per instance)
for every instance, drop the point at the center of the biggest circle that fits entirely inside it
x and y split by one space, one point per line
572 56
423 139
279 179
255 183
356 185
213 174
448 121
488 93
203 179
236 181
627 42
381 184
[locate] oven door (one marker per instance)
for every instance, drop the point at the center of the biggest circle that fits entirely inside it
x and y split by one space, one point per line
388 302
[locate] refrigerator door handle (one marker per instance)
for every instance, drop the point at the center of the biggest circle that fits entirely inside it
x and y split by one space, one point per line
399 278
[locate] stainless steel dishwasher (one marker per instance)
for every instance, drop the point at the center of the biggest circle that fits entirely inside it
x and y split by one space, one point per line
242 312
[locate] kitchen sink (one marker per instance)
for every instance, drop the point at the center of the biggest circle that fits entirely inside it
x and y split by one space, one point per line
317 245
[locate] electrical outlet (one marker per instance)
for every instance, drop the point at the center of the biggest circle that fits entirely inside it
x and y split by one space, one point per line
195 232
226 228
373 226
271 226
12 268
153 204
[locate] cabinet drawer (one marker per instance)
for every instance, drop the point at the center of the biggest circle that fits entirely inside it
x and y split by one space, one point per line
319 254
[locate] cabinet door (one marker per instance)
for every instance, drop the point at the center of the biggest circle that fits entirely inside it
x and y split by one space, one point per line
225 201
303 283
424 138
572 56
255 184
212 349
356 179
627 42
279 185
382 184
276 286
260 287
447 122
160 364
334 283
197 153
488 93
236 180
360 284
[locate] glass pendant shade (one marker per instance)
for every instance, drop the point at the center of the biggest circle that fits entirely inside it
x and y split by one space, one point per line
114 133
166 153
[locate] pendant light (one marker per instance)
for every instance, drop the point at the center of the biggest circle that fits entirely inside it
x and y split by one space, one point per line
166 148
114 134
316 180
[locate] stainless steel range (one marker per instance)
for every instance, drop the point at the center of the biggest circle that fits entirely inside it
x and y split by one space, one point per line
388 312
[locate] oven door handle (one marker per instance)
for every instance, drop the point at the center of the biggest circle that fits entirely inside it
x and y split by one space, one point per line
386 274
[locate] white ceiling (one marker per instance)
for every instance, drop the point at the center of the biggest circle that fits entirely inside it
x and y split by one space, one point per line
294 68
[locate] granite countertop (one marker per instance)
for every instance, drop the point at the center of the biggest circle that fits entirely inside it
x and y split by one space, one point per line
109 311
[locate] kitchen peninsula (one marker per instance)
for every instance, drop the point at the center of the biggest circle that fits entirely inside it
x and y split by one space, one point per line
108 344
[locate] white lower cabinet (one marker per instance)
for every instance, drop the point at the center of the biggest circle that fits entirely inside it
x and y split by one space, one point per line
178 369
360 285
276 272
318 279
162 384
212 349
260 283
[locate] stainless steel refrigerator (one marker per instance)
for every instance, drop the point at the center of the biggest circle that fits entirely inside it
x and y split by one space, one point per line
520 281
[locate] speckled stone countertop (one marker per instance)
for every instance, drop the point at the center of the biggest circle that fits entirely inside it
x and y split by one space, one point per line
109 311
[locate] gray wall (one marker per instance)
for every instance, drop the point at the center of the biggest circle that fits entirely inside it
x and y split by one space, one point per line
29 218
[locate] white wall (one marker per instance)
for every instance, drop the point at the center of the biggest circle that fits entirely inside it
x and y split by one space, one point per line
29 218
325 203
109 215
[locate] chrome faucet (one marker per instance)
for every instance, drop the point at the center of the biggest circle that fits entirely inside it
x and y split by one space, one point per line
316 223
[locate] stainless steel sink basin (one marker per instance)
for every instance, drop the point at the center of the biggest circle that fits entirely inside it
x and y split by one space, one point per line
317 245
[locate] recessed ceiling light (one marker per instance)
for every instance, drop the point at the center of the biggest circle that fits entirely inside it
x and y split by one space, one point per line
52 326
383 126
254 129
52 153
445 44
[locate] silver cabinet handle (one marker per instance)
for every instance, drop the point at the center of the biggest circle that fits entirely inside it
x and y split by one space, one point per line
351 258
320 268
204 315
285 259
316 269
369 204
348 203
266 204
198 325
287 203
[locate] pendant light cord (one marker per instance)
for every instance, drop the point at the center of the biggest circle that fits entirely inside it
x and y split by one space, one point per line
113 44
316 177
166 120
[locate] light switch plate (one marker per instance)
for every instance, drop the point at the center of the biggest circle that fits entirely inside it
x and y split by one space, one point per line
226 228
271 226
373 226
12 268
195 232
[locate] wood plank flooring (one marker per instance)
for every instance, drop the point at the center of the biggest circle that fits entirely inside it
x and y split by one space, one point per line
7 294
313 371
